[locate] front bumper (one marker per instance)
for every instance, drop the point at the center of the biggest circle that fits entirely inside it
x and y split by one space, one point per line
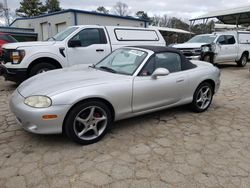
15 75
31 118
197 57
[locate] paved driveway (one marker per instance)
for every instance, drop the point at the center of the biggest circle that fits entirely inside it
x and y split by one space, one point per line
171 148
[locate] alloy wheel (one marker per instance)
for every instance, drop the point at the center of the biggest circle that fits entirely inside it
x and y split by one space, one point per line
90 123
204 97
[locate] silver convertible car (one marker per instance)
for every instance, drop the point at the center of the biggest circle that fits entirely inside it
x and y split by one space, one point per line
83 101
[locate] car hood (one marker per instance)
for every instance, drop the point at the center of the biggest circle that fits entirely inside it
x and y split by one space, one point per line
58 81
27 44
189 45
202 63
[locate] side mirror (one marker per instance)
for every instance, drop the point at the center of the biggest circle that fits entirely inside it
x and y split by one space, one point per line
160 72
74 43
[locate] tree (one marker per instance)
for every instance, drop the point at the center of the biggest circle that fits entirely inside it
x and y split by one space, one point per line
155 20
121 9
143 15
30 8
52 6
103 10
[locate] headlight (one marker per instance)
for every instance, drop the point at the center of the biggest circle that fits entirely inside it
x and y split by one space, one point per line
17 56
205 49
38 101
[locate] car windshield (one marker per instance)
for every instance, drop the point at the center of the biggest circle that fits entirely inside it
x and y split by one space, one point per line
122 61
63 34
208 39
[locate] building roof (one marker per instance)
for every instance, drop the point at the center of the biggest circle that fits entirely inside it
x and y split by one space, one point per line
171 30
229 16
83 12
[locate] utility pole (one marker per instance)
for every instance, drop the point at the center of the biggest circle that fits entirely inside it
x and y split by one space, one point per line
6 12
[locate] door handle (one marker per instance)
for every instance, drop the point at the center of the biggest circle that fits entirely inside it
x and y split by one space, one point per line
180 80
99 50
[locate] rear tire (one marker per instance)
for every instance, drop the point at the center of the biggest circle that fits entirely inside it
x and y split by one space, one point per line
40 68
243 60
202 98
88 122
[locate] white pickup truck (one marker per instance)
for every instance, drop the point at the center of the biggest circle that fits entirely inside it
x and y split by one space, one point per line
75 45
218 47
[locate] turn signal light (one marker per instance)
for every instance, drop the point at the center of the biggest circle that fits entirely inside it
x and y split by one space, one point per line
49 117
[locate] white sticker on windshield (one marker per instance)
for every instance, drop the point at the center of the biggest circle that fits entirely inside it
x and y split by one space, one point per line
136 52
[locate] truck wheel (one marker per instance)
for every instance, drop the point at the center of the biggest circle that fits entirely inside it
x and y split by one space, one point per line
243 60
207 58
88 122
40 68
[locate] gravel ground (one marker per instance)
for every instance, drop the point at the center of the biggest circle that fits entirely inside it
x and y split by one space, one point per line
171 148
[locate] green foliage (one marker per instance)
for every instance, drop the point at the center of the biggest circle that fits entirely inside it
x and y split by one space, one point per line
30 8
52 6
103 10
142 15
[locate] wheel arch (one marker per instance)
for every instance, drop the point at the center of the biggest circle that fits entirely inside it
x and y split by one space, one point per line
247 53
210 81
44 59
109 105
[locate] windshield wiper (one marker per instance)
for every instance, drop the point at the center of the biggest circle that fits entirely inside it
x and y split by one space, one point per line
108 69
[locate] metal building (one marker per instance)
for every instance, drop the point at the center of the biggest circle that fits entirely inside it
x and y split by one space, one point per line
48 25
20 34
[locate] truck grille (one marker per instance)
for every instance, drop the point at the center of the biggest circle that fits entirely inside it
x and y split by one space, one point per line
190 51
6 55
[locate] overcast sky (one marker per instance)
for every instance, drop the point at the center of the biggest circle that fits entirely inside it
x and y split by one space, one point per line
185 9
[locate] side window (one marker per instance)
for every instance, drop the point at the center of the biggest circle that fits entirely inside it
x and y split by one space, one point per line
222 40
148 68
167 60
88 37
230 39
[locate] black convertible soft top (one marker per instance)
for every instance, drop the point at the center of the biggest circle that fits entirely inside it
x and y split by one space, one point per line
186 64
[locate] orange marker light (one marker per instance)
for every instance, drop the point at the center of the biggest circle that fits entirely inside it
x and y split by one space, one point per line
49 117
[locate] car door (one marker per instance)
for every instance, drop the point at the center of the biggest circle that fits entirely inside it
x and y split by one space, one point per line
149 93
92 46
226 49
232 49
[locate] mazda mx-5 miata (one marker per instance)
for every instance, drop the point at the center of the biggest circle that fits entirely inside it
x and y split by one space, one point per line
83 101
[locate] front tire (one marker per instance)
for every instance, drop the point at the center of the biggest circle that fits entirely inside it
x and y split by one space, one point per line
88 122
40 68
243 60
202 98
207 58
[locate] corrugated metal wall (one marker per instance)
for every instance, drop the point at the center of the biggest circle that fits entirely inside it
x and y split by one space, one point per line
52 21
58 21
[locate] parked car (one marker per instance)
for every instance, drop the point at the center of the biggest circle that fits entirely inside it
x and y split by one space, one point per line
4 39
83 101
75 45
219 47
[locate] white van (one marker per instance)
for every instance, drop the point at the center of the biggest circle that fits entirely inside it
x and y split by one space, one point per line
75 45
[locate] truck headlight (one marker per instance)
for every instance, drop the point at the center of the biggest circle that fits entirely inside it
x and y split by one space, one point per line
17 56
205 49
38 101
